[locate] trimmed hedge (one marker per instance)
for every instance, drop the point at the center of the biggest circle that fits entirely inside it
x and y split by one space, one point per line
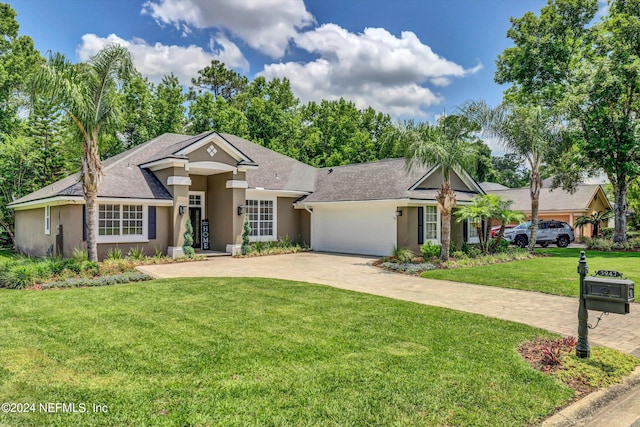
78 282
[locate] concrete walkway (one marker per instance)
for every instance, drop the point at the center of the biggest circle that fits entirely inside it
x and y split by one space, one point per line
550 312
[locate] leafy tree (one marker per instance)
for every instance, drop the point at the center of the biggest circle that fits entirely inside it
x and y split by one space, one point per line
510 171
220 81
46 129
18 176
86 93
18 60
337 133
563 58
446 144
271 112
168 108
207 113
527 131
138 102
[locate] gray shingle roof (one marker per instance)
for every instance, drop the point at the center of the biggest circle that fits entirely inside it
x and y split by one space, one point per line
551 200
122 176
382 180
275 171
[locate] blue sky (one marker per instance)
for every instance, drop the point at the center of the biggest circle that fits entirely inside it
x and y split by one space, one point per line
408 58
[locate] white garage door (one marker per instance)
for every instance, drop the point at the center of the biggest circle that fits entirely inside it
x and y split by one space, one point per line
359 228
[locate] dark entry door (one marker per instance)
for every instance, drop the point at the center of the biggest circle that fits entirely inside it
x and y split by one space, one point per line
195 214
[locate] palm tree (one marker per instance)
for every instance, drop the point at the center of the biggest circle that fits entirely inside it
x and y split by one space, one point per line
446 145
595 219
87 94
482 210
525 130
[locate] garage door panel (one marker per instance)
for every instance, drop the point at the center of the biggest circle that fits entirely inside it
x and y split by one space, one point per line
367 230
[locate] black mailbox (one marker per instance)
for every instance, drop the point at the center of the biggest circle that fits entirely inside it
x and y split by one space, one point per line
607 294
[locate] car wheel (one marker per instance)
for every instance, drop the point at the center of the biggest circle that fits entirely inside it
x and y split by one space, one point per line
521 241
563 241
544 244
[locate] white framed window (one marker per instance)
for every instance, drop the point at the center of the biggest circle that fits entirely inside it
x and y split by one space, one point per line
261 216
472 233
431 223
47 220
121 223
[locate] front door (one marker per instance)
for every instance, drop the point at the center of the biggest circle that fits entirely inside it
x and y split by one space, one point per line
195 214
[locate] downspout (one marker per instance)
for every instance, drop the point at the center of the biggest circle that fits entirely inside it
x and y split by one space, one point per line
306 208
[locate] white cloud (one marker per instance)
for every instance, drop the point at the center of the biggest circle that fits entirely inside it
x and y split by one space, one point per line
266 25
374 69
154 61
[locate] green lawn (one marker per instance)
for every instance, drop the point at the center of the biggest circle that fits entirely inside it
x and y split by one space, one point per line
204 352
556 274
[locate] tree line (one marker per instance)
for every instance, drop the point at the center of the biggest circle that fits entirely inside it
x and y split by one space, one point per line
570 109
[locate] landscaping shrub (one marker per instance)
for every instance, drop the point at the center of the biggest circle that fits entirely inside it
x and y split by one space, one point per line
80 254
259 247
503 245
98 281
409 268
114 253
136 254
403 255
187 247
607 232
431 250
246 233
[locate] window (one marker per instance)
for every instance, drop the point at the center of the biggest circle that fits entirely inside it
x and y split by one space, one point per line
260 214
47 220
121 222
431 222
132 219
472 232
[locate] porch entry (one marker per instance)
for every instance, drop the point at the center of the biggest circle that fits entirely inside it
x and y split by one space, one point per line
196 214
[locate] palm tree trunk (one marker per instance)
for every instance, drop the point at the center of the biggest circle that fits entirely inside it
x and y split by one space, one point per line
446 199
535 183
496 241
91 176
91 201
620 209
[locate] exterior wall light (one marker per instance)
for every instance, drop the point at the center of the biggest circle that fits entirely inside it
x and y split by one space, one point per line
181 209
399 212
240 210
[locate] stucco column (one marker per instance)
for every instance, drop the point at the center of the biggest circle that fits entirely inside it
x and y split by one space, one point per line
238 187
180 186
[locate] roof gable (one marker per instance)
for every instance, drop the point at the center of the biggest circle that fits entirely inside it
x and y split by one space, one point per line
557 199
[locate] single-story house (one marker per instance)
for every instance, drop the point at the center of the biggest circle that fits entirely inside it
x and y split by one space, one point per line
215 179
556 203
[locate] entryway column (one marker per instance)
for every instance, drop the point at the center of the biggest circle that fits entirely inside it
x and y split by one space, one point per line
179 213
238 188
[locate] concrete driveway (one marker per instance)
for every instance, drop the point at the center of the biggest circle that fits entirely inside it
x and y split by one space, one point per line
554 313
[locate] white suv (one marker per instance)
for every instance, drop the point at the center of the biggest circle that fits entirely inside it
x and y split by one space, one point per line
557 232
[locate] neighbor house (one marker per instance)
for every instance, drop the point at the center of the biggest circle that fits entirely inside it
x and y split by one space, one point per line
216 180
556 203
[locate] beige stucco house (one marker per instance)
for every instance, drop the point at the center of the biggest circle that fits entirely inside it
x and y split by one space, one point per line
217 180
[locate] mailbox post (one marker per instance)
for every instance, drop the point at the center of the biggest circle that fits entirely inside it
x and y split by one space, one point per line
582 348
607 291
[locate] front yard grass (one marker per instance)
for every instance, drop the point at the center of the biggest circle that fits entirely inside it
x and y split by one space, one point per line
262 352
554 274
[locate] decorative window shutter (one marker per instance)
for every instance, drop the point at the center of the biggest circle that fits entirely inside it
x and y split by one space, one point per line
152 222
420 225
